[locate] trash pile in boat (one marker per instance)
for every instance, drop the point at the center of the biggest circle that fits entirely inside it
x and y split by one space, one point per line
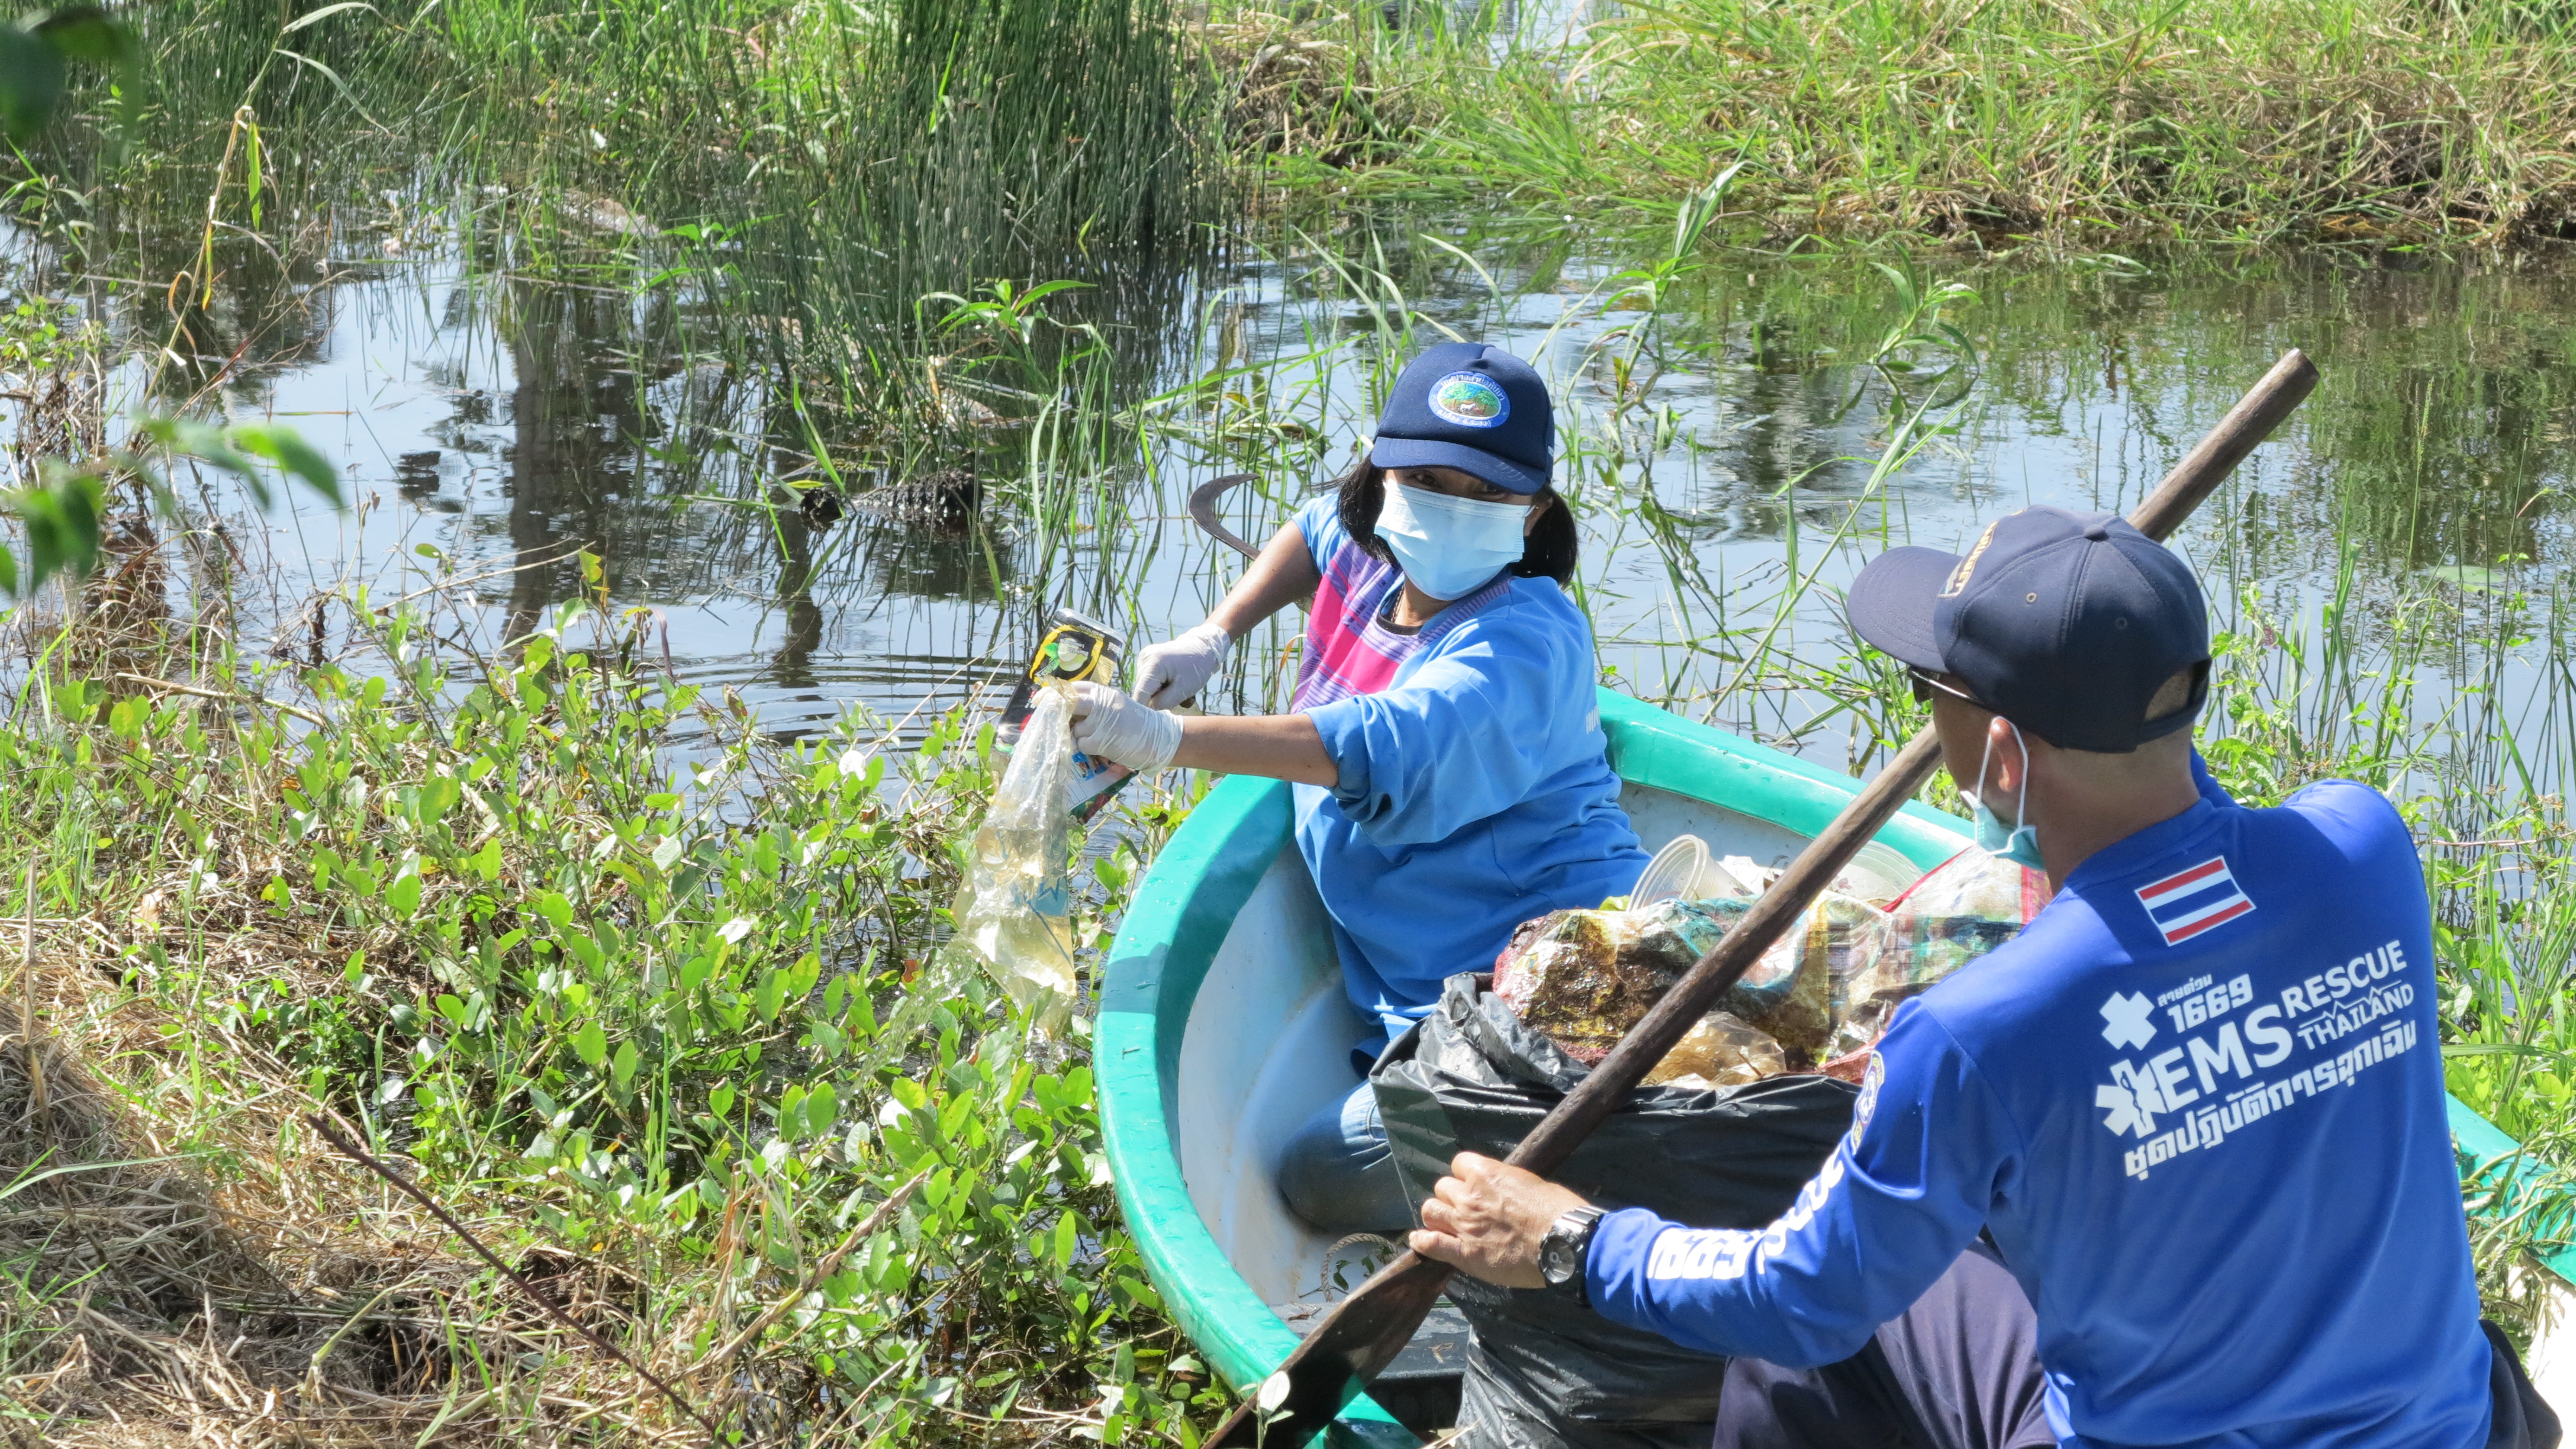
1823 991
1723 1132
1540 1372
1965 907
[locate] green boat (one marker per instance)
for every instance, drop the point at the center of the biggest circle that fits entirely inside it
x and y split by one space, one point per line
1223 1025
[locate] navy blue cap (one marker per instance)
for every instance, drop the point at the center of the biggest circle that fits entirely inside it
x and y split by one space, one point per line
1475 408
2064 623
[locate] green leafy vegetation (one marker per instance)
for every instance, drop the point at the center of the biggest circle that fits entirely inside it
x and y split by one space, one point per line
666 1039
2235 120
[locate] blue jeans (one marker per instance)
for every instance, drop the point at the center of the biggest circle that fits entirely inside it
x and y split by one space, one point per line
1339 1174
1958 1370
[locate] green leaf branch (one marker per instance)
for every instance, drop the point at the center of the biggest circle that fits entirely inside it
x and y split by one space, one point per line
36 55
59 513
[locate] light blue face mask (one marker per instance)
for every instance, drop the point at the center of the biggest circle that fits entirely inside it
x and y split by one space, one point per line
1449 546
2020 844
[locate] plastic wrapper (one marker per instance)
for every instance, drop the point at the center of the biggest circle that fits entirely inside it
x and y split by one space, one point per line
1965 907
1543 1373
1585 977
1719 1051
1074 649
1013 909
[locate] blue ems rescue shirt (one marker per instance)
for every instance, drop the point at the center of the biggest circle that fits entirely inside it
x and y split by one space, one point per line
1475 791
2198 1104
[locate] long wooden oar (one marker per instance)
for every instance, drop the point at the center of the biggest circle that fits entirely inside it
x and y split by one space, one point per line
1365 1331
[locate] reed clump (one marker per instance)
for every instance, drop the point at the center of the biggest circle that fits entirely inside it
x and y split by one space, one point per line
1310 91
838 159
2253 120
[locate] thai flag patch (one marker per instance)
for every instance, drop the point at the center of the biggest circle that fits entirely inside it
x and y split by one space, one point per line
2189 902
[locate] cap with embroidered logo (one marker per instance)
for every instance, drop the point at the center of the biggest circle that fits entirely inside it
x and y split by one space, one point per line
1475 408
2064 623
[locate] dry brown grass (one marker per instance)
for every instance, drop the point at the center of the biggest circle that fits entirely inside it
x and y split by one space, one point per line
202 1272
1308 88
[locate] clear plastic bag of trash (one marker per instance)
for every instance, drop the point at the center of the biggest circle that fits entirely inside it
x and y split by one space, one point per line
1822 994
1791 993
1965 907
1719 1051
1583 978
1014 907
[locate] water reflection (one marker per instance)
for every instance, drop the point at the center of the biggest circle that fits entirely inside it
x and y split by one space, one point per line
575 421
508 421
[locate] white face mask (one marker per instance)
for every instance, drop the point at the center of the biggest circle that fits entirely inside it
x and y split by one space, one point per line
1449 546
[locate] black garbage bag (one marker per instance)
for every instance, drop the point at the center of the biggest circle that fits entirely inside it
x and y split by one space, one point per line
1543 1373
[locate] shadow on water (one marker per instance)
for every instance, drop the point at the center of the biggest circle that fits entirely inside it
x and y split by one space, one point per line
575 422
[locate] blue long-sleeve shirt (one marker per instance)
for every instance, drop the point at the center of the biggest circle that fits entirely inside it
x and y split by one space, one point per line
1475 791
2198 1104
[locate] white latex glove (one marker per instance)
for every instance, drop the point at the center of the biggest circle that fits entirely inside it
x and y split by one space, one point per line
1108 725
1176 670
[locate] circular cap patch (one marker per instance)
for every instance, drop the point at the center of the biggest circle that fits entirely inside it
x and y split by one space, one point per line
1470 400
1870 1081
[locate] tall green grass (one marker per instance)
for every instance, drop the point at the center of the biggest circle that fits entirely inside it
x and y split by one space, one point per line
2241 120
818 168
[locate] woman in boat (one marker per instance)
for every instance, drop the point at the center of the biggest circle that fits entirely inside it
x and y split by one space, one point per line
1452 780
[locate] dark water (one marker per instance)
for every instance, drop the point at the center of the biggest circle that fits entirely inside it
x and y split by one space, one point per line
1717 447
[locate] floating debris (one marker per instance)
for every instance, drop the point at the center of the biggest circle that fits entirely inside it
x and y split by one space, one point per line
948 499
820 507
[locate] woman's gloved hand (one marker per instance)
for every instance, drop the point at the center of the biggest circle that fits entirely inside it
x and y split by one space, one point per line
1108 725
1176 670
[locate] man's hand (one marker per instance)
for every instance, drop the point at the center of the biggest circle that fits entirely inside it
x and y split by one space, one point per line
1486 1219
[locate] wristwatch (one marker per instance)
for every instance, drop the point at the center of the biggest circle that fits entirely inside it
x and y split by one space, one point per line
1561 1252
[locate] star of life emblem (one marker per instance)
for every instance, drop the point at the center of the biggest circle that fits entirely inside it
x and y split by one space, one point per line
2131 1100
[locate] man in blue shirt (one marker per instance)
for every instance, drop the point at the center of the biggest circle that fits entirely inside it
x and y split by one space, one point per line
2169 1168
